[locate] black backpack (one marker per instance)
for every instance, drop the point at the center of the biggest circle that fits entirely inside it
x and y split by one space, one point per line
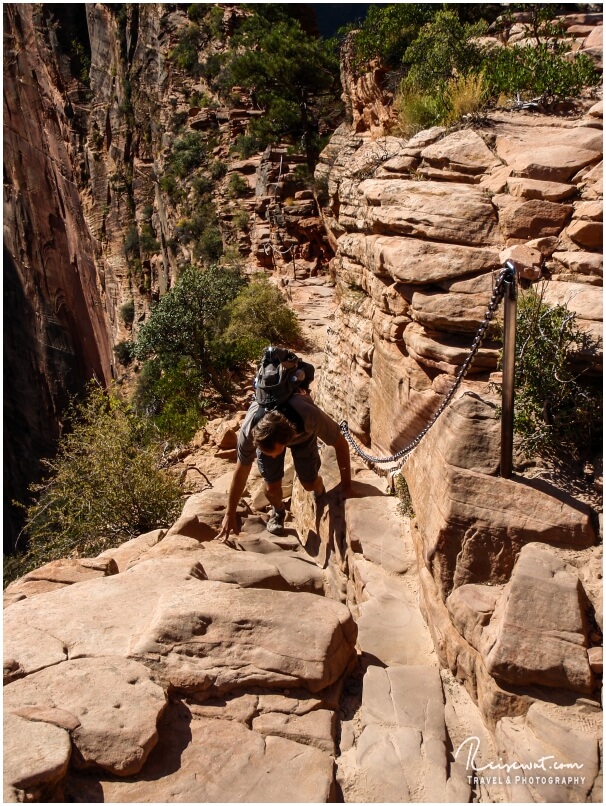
281 373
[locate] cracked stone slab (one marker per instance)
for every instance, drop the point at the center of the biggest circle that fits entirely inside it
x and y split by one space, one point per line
113 703
36 754
216 761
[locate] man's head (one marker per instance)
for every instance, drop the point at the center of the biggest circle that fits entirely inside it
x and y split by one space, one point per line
272 433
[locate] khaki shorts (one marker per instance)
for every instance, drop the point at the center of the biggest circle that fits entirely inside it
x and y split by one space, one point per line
306 458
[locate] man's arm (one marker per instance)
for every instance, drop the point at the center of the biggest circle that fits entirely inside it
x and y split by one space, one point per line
238 483
344 462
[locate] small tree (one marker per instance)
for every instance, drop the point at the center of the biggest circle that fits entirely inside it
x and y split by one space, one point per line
188 318
557 410
104 486
260 314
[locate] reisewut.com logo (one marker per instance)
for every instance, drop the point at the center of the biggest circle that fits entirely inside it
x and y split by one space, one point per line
546 770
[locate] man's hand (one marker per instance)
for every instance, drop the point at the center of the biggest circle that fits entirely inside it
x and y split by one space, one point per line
229 525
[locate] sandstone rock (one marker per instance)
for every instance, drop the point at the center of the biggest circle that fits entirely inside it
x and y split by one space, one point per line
219 761
315 728
586 233
454 213
450 312
276 571
376 529
194 633
581 262
471 608
595 655
585 301
461 151
390 626
567 738
226 438
425 138
446 352
201 517
526 260
533 219
552 155
597 110
113 700
36 755
130 552
237 637
538 633
401 753
56 574
537 189
589 210
474 524
410 260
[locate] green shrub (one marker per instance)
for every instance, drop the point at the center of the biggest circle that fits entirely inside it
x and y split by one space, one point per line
217 169
557 410
388 31
185 52
169 184
246 145
418 110
538 70
241 220
259 315
237 185
124 352
103 487
209 247
171 398
202 185
147 240
405 500
127 312
189 152
131 242
197 11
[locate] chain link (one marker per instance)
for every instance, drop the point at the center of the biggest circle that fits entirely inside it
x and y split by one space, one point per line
505 276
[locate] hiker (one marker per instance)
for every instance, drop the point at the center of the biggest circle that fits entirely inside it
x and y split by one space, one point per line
298 427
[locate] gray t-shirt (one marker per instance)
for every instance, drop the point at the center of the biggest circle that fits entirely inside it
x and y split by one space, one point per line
316 423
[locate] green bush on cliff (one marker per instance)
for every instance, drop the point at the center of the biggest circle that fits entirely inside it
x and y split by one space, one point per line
103 487
558 409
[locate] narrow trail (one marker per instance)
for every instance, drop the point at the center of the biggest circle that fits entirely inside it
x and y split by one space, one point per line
400 717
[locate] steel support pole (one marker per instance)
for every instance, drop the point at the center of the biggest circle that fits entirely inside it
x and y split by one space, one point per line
509 360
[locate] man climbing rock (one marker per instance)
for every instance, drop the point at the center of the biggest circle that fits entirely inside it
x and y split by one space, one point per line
268 439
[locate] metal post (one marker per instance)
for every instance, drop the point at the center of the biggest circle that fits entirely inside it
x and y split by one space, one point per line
509 359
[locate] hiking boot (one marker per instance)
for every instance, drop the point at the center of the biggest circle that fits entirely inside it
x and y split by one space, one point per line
275 524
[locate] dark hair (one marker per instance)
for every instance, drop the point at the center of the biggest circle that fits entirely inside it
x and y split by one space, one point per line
271 430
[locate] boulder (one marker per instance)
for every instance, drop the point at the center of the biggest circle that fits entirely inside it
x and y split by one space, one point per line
583 300
200 760
113 701
537 189
201 517
461 151
474 524
567 741
538 633
454 213
130 552
471 608
549 154
588 234
36 755
446 352
57 574
581 262
195 633
414 261
533 219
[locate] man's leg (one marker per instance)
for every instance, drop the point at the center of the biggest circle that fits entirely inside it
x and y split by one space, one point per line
306 458
272 472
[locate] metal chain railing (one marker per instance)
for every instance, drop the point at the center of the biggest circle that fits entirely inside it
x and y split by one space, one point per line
505 276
